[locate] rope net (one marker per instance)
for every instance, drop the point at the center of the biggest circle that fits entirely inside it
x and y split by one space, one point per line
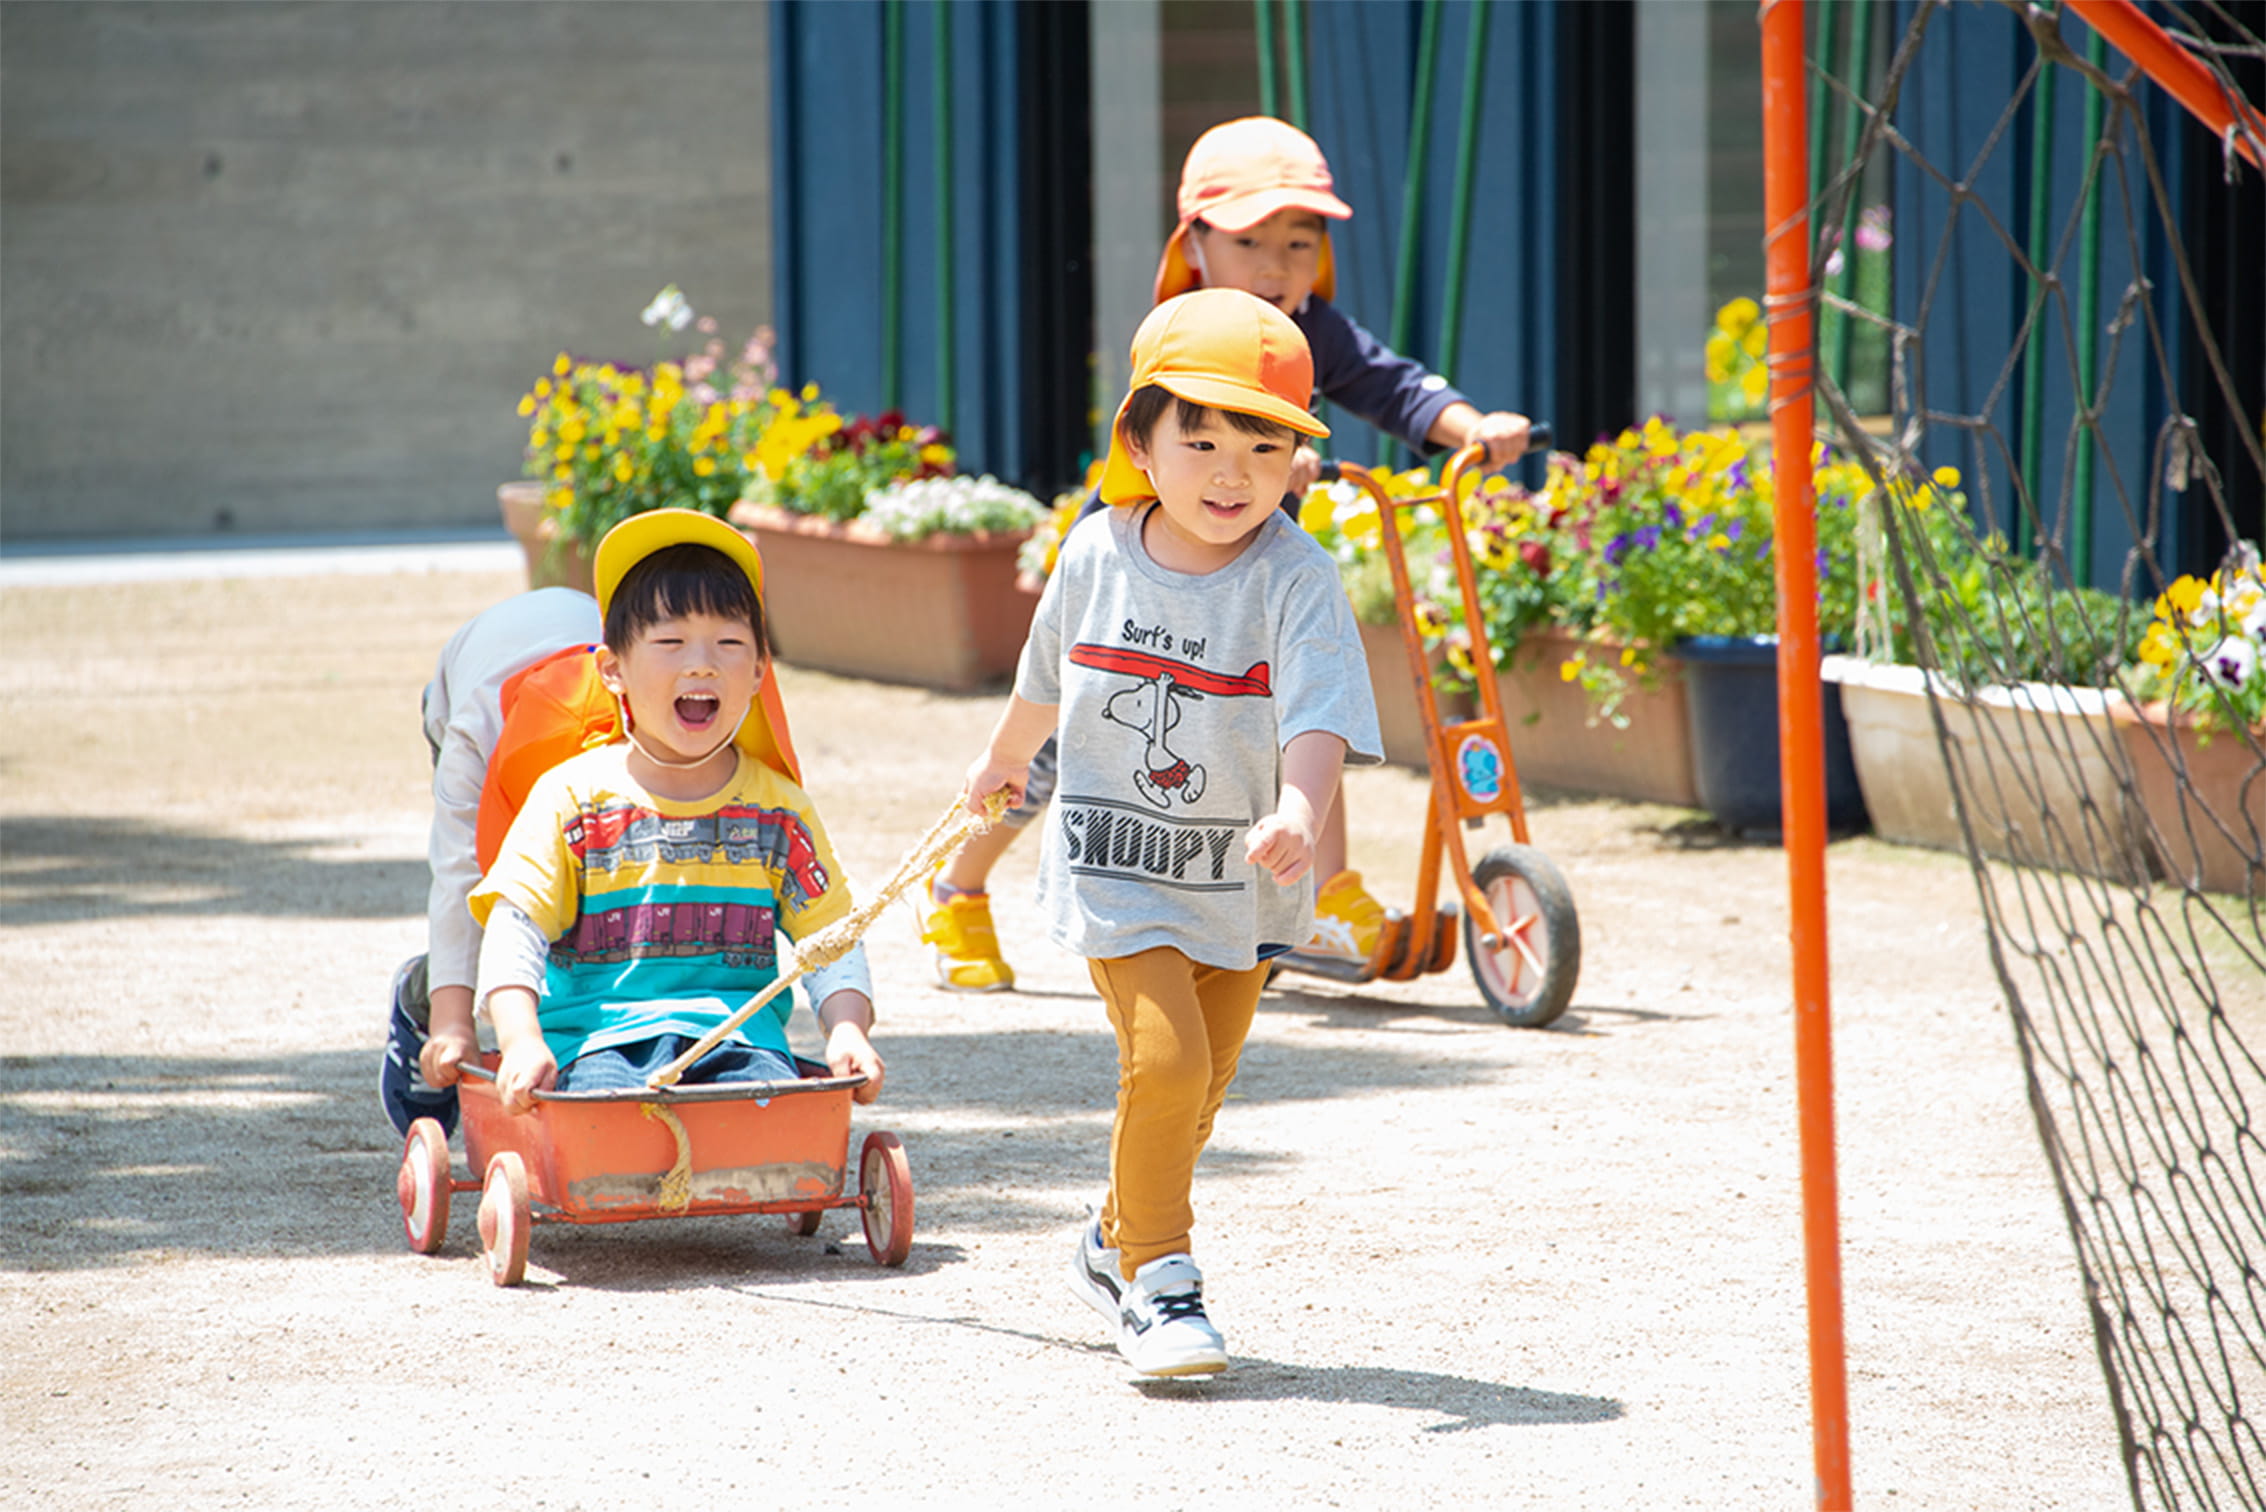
2043 405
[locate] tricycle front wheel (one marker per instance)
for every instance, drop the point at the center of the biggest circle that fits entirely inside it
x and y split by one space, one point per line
885 1180
1527 976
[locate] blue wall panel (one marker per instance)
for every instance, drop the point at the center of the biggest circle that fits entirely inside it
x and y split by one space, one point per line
1363 62
832 214
1959 279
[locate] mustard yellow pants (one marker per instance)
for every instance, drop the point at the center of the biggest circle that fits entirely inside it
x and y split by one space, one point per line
1180 1030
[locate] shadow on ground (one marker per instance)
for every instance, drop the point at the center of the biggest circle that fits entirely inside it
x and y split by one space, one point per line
60 871
107 1158
1459 1402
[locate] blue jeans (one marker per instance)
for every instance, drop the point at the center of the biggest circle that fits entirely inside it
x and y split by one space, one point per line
625 1068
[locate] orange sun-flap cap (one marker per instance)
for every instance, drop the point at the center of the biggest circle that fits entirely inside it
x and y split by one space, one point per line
1239 173
1224 349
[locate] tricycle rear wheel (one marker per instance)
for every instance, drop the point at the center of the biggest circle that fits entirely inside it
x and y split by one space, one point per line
1528 976
803 1225
885 1181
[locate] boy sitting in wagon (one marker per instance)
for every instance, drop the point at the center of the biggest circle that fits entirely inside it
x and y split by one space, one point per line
641 893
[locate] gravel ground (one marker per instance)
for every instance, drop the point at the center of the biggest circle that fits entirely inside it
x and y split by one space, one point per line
1555 1268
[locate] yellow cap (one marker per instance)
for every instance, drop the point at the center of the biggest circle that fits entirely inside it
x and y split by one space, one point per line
1224 349
763 734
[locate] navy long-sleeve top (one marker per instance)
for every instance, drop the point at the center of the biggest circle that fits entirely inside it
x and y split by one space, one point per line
1368 379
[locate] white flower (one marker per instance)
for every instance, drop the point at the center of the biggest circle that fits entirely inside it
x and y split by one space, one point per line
2231 663
669 306
2252 619
957 506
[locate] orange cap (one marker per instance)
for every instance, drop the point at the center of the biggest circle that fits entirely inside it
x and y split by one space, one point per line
763 734
1221 348
1238 174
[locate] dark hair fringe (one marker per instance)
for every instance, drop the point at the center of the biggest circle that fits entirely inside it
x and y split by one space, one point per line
1147 406
687 578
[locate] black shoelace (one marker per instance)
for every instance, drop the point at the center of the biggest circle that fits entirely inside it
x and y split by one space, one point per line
1175 1306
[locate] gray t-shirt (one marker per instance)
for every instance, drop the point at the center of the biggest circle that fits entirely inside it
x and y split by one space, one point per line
1176 695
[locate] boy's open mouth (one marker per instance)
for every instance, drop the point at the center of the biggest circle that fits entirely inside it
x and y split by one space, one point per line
1226 508
697 711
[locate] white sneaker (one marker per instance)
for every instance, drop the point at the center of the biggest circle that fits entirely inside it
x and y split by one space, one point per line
1161 1327
1094 1276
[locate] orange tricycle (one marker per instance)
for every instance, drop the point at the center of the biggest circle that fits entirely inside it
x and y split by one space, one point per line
1521 936
655 1152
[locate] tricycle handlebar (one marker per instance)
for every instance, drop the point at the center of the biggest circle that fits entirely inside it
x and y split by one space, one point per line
1538 436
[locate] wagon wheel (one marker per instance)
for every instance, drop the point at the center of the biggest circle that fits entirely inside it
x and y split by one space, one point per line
1528 977
803 1225
423 1186
505 1217
885 1182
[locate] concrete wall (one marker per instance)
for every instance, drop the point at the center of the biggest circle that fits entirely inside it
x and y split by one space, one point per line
269 267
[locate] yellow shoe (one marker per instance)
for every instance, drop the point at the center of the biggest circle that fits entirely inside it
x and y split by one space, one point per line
1348 923
967 947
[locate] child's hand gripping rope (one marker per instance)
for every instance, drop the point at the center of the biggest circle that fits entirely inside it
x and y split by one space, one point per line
951 828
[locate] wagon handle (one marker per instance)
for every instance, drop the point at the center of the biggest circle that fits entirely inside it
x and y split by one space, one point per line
830 944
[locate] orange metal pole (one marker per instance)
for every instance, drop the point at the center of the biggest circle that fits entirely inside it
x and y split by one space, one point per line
1791 307
2178 72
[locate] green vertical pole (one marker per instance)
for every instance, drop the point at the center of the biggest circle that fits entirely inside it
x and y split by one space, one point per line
1821 98
1294 58
1412 185
2088 323
946 336
1838 325
892 201
1467 161
2032 416
1263 32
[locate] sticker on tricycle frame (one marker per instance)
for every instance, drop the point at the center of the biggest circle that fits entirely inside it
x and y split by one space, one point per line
1479 768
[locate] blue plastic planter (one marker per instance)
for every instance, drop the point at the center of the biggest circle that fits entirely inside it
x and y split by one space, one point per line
1731 695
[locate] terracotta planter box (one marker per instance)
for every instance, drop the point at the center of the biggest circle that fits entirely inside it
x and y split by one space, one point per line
939 613
2205 803
1399 719
550 562
1553 741
2038 764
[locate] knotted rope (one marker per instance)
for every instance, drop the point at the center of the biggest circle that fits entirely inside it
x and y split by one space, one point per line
676 1186
954 826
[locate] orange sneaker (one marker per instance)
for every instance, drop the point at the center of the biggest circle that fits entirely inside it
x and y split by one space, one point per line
967 947
1348 923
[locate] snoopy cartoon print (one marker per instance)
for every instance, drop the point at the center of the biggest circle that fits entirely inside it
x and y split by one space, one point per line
1151 708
